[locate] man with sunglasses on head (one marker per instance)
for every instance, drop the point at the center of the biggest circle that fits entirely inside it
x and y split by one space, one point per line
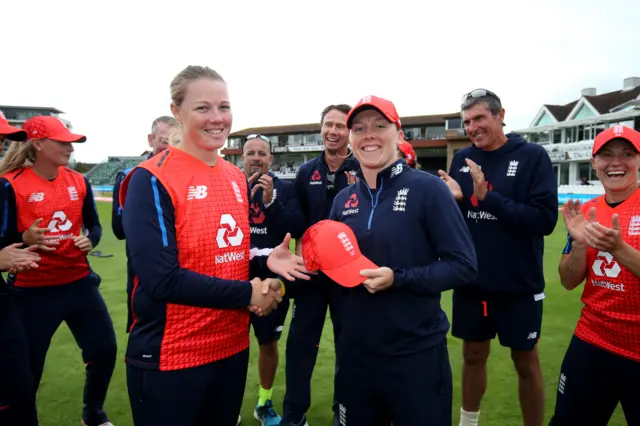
274 212
158 142
316 185
507 191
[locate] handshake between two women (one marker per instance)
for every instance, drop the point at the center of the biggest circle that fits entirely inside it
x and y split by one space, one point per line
267 293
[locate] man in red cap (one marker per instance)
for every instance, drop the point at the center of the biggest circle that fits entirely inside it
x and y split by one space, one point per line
601 367
392 351
17 393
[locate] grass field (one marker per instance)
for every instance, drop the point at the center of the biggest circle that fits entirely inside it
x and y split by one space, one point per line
60 394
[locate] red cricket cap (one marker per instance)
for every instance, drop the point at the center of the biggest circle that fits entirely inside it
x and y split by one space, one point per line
50 127
616 132
385 107
11 132
331 247
408 151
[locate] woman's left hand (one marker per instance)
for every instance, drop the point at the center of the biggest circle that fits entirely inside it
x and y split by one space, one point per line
377 279
83 243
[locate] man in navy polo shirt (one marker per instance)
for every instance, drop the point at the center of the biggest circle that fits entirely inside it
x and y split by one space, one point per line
506 189
317 183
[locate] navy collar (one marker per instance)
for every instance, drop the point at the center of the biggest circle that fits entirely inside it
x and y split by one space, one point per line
389 173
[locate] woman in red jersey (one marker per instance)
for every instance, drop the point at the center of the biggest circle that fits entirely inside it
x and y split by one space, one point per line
186 217
17 393
51 206
602 365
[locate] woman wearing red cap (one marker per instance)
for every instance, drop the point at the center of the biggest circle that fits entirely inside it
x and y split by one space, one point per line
58 215
408 154
186 218
17 393
392 352
602 365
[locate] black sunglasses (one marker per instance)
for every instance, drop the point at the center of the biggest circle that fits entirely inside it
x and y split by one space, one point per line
480 93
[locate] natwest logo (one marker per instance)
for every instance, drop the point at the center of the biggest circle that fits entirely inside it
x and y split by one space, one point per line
229 233
352 202
605 265
234 256
59 222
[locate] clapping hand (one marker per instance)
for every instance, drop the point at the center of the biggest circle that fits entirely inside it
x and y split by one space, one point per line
602 238
34 236
575 221
480 186
454 187
15 259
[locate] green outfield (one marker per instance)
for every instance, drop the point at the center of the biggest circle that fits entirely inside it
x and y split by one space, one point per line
60 394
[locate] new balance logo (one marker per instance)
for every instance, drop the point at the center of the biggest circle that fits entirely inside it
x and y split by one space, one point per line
36 197
533 335
400 203
464 169
396 170
197 192
513 168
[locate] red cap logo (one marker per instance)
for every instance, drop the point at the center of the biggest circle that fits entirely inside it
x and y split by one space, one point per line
332 248
385 107
616 132
50 127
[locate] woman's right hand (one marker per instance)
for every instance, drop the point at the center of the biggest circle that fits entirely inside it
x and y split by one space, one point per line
15 259
575 221
34 236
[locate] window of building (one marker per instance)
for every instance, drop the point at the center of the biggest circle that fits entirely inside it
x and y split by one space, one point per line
412 133
454 123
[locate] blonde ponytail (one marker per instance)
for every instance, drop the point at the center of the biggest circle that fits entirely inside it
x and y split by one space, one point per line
18 155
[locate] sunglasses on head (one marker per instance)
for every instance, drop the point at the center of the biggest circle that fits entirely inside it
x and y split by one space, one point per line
480 93
258 136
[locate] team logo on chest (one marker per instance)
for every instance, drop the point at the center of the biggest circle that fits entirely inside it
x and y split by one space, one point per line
236 190
513 168
634 225
400 203
73 193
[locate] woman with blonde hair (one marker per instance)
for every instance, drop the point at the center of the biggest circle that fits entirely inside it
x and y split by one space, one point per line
58 215
186 217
